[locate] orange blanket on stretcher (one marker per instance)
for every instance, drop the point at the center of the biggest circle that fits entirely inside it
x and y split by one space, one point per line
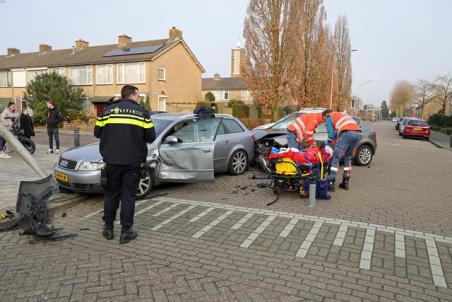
310 155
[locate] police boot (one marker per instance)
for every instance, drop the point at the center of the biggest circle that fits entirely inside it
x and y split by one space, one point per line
344 183
331 186
127 234
108 232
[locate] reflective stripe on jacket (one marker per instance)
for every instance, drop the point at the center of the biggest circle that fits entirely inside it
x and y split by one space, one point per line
343 122
305 125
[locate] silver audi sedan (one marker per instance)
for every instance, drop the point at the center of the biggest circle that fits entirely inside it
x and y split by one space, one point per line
186 149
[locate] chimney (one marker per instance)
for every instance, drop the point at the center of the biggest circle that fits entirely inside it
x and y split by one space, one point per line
216 76
175 33
124 40
44 48
13 51
80 44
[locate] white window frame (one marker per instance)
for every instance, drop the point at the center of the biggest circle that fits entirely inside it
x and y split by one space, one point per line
120 74
109 70
165 99
60 70
35 71
164 74
19 75
89 71
9 78
224 95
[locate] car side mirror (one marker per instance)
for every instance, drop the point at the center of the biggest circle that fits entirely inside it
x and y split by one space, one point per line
171 140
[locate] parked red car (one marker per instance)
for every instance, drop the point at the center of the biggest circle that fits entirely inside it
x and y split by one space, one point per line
416 128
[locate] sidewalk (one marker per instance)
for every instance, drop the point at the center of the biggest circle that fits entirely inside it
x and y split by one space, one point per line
63 131
440 140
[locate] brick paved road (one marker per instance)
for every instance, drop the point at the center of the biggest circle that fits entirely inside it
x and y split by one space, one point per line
388 238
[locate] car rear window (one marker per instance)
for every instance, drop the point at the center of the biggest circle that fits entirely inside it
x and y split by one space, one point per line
418 123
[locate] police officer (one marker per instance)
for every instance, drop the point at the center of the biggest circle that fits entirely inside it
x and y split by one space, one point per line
124 127
343 128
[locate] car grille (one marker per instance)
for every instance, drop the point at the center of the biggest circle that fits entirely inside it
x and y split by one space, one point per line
67 164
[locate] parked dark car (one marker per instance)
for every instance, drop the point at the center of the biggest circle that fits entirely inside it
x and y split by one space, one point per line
276 135
416 128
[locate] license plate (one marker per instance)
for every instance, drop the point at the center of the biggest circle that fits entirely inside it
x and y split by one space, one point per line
418 129
62 176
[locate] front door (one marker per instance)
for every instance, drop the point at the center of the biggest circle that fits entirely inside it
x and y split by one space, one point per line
191 158
161 103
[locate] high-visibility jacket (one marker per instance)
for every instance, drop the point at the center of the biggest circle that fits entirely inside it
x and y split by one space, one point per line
343 122
124 129
305 125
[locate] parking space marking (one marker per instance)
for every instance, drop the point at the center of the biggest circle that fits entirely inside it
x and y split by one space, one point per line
148 208
257 232
94 213
242 221
435 263
366 255
139 203
304 248
289 227
400 245
212 224
367 249
340 236
202 214
165 222
166 209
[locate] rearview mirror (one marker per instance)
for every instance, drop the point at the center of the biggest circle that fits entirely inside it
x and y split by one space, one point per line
171 140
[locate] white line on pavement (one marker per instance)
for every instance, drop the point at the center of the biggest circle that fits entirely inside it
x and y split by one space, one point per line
289 227
242 221
148 208
166 209
94 213
163 223
304 248
366 255
212 224
202 214
257 232
435 263
400 245
340 236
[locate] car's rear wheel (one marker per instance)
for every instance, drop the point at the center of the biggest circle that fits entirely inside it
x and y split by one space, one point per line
238 162
364 155
146 184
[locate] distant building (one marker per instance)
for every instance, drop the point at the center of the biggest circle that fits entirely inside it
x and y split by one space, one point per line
166 71
229 88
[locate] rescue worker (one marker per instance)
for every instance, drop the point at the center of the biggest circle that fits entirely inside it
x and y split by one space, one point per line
300 133
346 131
124 129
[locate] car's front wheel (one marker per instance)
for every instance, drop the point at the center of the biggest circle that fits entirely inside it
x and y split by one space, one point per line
364 155
238 162
146 184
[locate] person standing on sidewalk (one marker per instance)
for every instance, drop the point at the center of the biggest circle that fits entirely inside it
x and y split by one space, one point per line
7 118
26 123
53 119
124 128
300 133
346 130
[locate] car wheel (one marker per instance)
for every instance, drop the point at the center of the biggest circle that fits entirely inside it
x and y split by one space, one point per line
238 162
404 136
145 185
364 155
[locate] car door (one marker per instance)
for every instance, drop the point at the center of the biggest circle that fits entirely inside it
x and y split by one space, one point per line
230 134
190 159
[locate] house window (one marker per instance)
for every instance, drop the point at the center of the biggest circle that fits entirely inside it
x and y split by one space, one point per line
225 95
161 74
81 75
60 70
129 73
6 79
33 73
104 74
19 78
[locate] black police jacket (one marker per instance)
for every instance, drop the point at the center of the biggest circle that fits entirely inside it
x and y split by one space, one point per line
124 127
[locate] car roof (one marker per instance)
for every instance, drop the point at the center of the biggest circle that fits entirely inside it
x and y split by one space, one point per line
179 116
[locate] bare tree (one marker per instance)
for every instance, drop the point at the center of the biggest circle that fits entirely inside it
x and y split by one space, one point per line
343 66
271 33
443 89
424 93
402 95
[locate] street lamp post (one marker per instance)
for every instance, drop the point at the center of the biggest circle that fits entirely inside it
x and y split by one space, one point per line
332 79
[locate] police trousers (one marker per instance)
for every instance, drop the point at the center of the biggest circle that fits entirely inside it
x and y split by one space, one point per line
122 185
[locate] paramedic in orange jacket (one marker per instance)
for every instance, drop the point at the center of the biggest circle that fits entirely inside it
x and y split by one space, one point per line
302 130
347 132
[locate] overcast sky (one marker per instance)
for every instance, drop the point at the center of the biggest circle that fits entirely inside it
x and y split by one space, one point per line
397 40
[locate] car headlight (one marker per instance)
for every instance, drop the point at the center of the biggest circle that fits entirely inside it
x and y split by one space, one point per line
88 166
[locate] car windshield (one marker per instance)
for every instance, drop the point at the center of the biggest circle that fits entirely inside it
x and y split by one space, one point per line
284 122
418 123
160 125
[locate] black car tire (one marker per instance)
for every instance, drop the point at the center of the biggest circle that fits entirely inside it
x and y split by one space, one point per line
28 144
238 163
146 184
364 155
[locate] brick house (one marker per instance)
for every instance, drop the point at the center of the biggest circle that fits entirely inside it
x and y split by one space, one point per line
166 71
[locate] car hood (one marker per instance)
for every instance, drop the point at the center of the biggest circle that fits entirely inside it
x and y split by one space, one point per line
88 153
261 133
265 126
